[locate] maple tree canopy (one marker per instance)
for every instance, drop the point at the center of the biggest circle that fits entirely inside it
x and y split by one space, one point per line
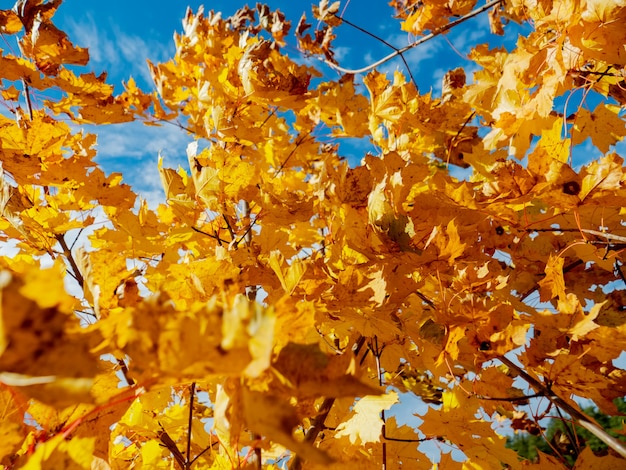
280 304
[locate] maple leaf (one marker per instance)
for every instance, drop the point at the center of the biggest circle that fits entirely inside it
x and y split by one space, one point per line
39 327
366 424
553 284
47 45
326 12
603 125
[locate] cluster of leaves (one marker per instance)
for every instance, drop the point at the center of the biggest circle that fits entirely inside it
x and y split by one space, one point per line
562 438
236 325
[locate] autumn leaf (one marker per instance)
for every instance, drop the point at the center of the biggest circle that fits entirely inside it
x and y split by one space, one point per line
366 424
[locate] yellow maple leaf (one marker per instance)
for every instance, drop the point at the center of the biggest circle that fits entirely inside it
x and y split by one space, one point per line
56 452
289 277
366 423
603 125
553 284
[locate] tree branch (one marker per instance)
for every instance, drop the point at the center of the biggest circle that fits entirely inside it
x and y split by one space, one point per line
428 37
76 274
192 391
408 69
582 419
313 431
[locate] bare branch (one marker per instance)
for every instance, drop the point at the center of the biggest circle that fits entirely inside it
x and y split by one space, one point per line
422 40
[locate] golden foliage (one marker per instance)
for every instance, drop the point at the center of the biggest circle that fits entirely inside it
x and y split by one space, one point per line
280 301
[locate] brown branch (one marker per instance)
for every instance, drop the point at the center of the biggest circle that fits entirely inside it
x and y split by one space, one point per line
192 391
29 106
229 227
582 419
313 431
422 40
378 352
215 237
318 422
124 369
170 444
70 259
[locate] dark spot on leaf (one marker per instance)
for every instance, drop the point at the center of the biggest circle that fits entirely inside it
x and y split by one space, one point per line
571 187
485 346
48 314
499 230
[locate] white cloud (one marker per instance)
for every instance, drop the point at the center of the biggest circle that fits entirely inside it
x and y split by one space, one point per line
115 51
341 53
87 34
135 140
414 56
132 149
468 35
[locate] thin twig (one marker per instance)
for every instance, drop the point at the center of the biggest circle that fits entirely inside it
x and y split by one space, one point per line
313 431
369 33
510 399
124 369
425 299
422 40
299 142
246 234
215 237
597 233
29 106
228 226
618 269
191 462
70 259
377 352
192 391
570 432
